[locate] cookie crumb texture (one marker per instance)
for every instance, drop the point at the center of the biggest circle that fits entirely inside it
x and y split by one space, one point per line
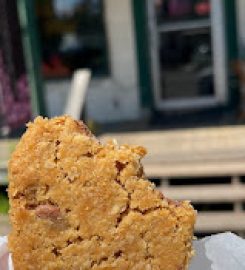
77 204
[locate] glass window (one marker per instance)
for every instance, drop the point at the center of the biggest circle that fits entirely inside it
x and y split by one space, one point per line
72 36
184 48
186 64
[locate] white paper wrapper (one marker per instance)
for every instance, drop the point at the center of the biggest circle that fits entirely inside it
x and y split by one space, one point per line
5 258
224 251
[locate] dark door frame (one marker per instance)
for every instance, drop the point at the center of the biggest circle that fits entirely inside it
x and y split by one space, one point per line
31 45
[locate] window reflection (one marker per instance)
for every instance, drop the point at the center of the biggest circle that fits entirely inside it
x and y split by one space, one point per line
186 64
72 36
172 10
185 49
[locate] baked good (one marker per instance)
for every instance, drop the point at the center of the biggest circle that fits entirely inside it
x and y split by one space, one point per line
77 204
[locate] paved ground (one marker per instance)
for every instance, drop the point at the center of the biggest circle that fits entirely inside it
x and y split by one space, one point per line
4 225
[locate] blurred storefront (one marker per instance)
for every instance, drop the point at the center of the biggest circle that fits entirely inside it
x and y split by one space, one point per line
162 55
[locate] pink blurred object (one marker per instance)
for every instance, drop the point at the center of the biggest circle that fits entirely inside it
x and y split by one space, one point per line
4 261
179 7
16 110
203 8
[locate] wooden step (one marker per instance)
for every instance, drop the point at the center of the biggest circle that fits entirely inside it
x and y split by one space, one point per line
220 221
218 151
3 177
4 225
195 169
205 193
188 145
6 148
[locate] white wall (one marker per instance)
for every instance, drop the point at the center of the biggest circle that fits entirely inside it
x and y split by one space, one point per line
117 98
56 92
120 32
105 102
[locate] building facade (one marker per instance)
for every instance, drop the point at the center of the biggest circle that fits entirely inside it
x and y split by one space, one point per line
166 56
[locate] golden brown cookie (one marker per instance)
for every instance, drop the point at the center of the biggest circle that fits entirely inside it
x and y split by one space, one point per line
77 204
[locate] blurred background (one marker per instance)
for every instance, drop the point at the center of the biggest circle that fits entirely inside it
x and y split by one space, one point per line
166 74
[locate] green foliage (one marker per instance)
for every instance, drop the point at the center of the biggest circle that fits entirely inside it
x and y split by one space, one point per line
4 204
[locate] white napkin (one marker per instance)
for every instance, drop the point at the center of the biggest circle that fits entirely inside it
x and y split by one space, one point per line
224 251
